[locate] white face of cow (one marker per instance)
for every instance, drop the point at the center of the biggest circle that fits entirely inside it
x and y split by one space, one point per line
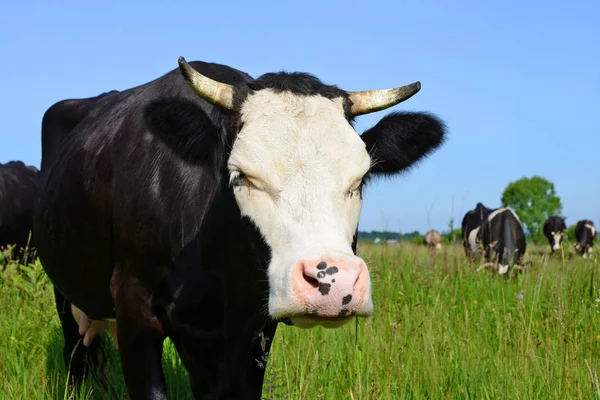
557 236
296 169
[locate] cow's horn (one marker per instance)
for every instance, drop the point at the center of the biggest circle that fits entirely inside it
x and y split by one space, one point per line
369 101
217 93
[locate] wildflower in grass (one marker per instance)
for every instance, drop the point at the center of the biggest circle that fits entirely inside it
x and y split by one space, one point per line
597 337
12 338
475 302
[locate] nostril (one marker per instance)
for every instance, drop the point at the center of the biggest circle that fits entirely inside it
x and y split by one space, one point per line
312 281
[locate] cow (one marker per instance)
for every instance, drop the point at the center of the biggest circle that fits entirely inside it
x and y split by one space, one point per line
208 206
585 235
470 226
433 239
18 188
503 240
555 230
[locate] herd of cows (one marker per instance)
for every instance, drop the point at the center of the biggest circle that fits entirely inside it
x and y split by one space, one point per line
498 236
208 206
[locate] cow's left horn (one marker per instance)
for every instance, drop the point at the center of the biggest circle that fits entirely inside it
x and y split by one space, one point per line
369 101
217 93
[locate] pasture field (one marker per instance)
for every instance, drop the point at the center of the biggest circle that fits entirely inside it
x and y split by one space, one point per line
441 331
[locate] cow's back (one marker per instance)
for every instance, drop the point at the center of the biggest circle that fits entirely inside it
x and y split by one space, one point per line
473 220
113 193
502 234
18 187
554 224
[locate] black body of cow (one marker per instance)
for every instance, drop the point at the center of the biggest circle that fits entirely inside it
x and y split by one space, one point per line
585 235
554 225
18 188
473 219
137 222
503 239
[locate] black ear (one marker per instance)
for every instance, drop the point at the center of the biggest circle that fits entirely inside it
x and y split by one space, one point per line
185 128
401 139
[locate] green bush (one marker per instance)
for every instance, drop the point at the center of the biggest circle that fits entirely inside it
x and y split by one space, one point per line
452 237
416 239
571 233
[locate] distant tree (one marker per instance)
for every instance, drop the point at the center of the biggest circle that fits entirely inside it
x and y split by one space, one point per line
534 200
451 225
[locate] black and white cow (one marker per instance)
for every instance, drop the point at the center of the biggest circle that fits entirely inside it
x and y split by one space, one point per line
209 207
555 230
18 187
503 239
585 235
471 225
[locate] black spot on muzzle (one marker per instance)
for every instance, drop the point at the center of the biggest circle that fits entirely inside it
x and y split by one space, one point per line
346 299
324 288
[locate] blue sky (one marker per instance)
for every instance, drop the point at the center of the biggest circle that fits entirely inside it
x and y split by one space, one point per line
517 82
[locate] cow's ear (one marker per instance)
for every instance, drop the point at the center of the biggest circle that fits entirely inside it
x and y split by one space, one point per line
185 128
401 139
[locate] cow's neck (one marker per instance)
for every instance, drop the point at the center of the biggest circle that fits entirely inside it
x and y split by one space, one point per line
227 261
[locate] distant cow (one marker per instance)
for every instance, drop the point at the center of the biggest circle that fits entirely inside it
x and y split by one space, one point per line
555 230
503 239
471 224
18 186
207 206
585 234
433 239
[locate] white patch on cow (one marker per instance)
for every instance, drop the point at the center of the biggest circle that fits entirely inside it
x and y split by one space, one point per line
473 241
591 228
438 245
557 240
302 164
501 210
502 269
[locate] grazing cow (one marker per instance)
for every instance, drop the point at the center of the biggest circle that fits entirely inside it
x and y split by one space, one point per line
471 225
585 235
18 187
209 207
503 239
433 239
555 230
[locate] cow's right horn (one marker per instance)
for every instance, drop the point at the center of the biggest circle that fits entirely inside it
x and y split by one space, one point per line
369 101
216 93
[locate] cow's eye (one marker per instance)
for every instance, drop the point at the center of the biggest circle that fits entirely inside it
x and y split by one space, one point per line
355 189
240 179
237 178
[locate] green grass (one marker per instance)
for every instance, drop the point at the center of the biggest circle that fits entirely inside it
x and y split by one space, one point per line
441 331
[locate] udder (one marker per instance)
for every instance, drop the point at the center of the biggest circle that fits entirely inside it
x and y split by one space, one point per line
89 328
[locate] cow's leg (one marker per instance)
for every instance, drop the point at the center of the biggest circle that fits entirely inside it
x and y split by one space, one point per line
258 361
79 359
242 376
140 339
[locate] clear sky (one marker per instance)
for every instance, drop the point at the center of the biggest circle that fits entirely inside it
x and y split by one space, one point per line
517 82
